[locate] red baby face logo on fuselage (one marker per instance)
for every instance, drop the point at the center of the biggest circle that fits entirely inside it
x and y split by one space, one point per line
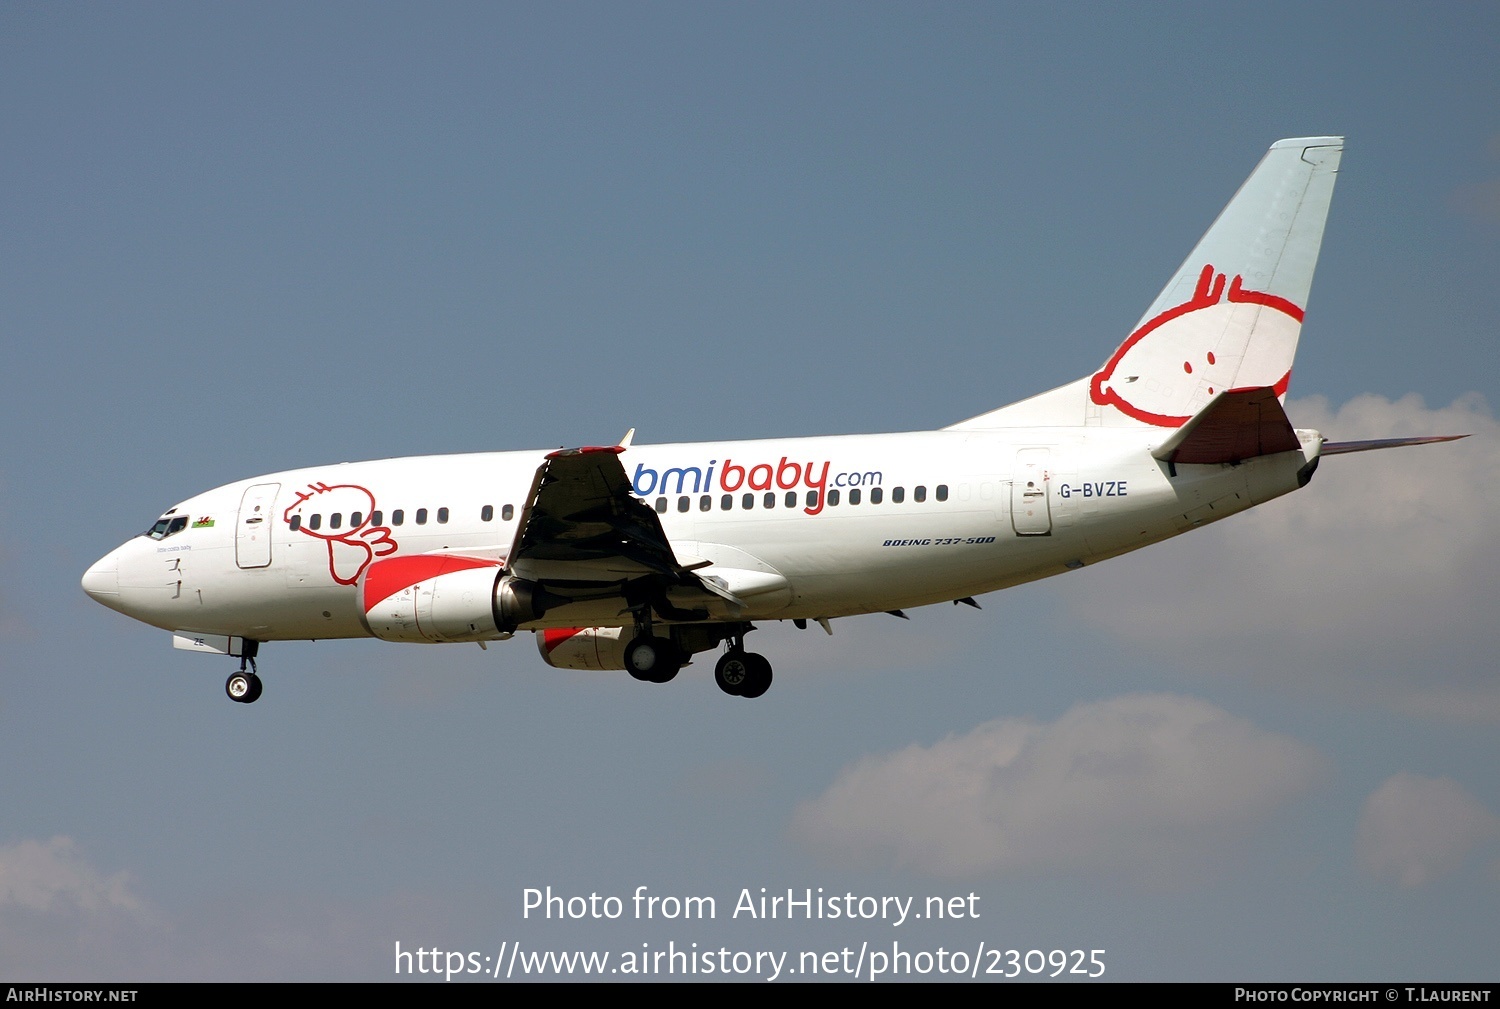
350 548
1167 369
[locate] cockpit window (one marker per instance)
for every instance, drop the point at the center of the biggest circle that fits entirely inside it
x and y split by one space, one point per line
167 525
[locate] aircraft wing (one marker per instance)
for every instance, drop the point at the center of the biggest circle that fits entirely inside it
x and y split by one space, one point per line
583 525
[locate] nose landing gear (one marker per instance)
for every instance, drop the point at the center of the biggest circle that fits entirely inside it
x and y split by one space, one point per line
244 686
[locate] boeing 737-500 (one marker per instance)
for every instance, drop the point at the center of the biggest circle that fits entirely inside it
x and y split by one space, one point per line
637 557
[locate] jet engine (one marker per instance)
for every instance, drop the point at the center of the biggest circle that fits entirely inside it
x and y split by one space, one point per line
444 597
604 647
584 647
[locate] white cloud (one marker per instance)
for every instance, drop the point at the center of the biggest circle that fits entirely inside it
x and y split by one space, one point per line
1415 829
1137 782
63 919
53 875
1377 578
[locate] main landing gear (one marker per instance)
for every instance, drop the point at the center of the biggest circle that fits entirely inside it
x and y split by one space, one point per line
657 659
244 686
653 659
740 673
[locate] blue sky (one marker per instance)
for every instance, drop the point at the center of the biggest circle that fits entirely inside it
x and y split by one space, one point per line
241 240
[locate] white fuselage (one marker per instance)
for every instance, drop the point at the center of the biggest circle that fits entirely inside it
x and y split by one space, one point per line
801 528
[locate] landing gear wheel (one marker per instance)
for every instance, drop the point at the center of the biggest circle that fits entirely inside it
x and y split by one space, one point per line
759 680
733 671
242 687
652 659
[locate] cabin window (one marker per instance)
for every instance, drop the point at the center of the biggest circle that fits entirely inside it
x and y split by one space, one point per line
791 499
898 494
508 512
661 506
942 492
295 523
876 495
487 513
854 496
812 499
397 517
442 515
375 517
770 499
421 516
316 522
354 518
335 520
726 502
919 493
705 503
747 502
683 503
833 497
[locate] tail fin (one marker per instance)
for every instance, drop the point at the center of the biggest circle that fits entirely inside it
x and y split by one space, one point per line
1231 316
1228 319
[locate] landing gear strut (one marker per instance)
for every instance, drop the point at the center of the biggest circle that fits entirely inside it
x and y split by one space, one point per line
244 686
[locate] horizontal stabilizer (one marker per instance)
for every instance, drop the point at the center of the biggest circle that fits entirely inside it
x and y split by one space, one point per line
1235 425
1343 447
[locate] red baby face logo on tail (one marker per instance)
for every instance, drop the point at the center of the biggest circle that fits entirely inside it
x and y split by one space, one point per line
351 547
1170 367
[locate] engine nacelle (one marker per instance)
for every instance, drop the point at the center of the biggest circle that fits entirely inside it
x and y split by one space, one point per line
443 597
604 647
584 647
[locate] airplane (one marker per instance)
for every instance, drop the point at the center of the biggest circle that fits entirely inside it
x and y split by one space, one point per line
637 557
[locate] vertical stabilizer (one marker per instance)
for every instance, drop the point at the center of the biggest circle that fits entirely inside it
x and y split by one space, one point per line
1230 317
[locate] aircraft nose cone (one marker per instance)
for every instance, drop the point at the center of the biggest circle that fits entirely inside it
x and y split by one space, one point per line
102 581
